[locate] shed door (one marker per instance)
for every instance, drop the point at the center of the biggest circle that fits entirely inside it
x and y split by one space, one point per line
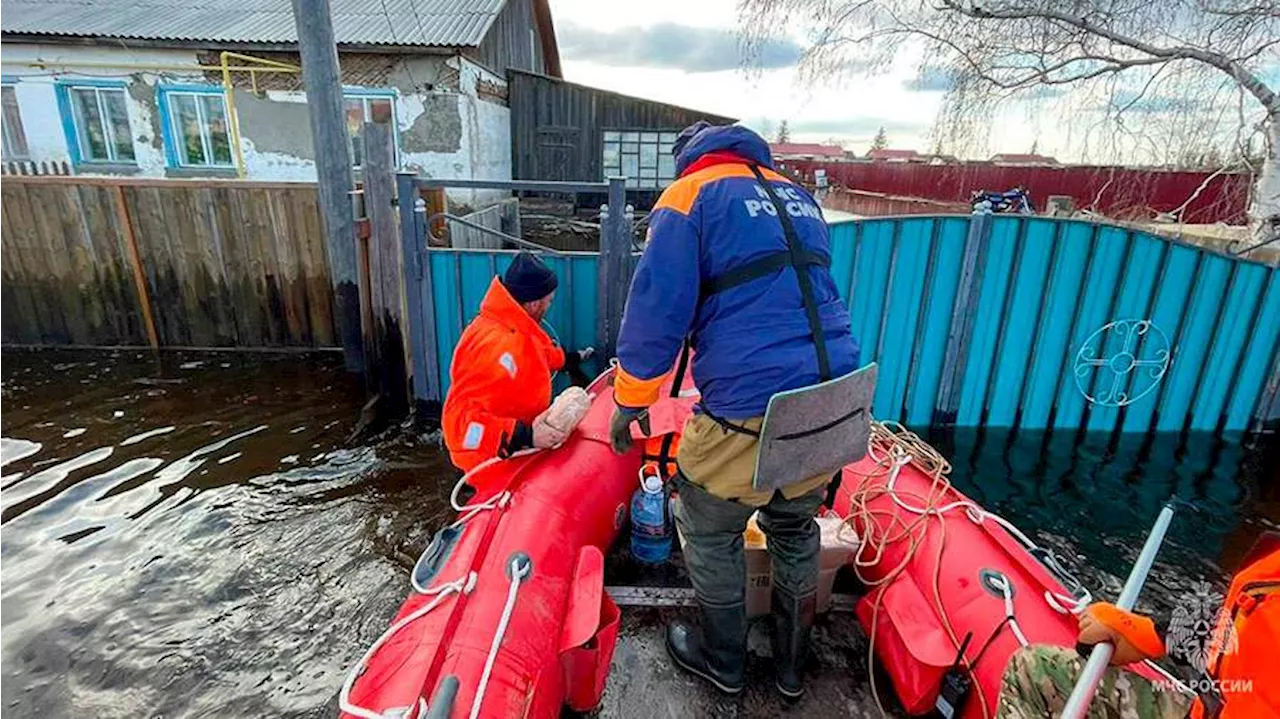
558 157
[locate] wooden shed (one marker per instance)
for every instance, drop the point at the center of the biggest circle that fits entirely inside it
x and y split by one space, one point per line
569 132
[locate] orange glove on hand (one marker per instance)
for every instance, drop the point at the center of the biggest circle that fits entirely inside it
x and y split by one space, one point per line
1134 636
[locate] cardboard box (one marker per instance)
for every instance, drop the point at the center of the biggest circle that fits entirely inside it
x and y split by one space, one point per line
838 545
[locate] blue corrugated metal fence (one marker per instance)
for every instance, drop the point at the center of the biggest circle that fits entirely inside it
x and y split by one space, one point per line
980 321
998 345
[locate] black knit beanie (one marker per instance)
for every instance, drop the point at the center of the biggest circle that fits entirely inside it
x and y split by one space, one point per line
528 278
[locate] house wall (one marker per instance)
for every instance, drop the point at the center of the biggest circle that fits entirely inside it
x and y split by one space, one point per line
450 120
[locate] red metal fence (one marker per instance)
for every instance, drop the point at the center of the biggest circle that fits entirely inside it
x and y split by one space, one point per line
1118 192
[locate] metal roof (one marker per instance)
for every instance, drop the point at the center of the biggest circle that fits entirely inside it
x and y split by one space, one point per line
439 23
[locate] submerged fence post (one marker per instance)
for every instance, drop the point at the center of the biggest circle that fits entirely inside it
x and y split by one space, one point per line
416 270
614 267
956 356
386 333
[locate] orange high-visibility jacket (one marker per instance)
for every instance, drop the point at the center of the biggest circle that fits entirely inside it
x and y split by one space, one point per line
1245 663
501 375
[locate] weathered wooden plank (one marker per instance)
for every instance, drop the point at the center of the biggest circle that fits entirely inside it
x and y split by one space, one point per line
219 217
65 283
315 268
292 295
82 265
384 269
243 269
109 238
100 314
209 280
124 225
22 323
263 245
156 258
31 252
299 293
81 180
194 277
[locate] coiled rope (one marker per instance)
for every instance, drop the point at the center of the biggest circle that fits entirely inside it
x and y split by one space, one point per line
892 447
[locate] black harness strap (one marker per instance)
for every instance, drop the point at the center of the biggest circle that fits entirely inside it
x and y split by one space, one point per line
756 269
730 426
798 256
664 458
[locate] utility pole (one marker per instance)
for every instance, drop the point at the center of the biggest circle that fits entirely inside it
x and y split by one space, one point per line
323 82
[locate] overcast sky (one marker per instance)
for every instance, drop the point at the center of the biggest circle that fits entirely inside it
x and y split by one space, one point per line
686 52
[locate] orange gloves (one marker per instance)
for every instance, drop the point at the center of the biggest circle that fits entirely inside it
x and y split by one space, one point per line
1134 636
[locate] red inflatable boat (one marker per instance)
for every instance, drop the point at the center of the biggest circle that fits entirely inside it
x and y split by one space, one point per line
953 589
508 617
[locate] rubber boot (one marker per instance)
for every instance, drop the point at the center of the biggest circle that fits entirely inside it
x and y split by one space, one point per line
716 651
792 620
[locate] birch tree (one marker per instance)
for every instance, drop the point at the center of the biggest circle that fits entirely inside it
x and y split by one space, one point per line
1209 67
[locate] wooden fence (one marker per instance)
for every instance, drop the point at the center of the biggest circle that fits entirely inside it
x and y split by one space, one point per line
169 263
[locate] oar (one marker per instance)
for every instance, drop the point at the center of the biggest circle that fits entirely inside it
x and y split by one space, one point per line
1100 657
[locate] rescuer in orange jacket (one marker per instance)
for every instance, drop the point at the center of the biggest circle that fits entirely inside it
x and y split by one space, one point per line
502 369
1235 656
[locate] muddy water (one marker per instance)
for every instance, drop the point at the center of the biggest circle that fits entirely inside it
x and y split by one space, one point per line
195 535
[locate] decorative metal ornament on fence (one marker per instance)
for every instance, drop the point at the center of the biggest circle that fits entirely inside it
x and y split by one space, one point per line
1121 362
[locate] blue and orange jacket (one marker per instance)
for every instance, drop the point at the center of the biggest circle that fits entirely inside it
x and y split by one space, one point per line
752 340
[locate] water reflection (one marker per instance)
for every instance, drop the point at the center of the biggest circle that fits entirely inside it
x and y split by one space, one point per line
209 544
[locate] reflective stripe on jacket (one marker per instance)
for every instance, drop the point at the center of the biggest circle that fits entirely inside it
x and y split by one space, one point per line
501 374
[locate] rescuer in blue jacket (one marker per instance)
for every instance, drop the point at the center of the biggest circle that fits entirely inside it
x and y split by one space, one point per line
717 270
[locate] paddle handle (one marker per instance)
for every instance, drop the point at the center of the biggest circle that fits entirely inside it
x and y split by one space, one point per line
1082 695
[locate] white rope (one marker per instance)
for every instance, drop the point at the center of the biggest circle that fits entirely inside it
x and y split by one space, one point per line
1062 603
1006 588
462 585
467 512
520 568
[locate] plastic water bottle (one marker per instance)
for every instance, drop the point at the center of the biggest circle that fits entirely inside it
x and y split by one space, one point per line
650 521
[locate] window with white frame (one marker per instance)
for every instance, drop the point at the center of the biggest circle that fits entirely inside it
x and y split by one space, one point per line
361 109
100 119
199 133
642 156
15 139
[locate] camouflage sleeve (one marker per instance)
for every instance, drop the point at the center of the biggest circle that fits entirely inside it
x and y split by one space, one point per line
1039 679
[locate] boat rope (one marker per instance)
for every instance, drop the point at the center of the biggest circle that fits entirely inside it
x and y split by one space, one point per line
467 512
461 585
892 447
1062 603
521 566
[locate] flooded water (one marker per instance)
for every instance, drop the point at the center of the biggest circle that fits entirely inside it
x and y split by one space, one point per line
195 535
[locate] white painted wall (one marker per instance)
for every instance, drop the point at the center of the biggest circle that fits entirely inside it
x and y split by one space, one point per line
484 150
38 104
